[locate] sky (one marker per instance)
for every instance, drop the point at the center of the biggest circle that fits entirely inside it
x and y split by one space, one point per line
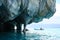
53 21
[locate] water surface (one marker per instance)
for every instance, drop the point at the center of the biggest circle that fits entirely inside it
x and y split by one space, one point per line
46 34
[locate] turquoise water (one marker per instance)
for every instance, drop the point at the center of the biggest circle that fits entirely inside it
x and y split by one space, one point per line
46 34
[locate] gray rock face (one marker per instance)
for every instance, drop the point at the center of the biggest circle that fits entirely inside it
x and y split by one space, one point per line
26 11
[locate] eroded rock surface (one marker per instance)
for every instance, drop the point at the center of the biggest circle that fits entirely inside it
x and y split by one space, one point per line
25 11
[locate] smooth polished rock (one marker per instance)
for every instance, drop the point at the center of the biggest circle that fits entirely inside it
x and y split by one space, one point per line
25 11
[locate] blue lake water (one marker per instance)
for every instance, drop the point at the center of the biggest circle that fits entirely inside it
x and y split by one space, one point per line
46 34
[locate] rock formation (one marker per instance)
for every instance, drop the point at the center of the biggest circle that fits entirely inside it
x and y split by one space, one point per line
18 12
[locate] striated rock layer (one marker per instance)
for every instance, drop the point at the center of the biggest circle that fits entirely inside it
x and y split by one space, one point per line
18 12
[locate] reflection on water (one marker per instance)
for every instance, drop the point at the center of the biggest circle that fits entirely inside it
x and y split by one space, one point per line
12 36
29 35
19 36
